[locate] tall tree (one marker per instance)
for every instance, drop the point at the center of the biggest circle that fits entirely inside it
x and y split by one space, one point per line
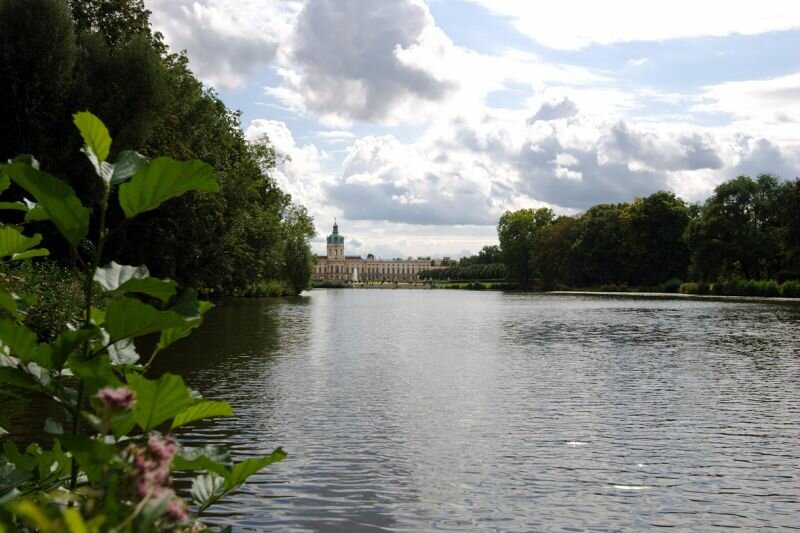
517 231
654 230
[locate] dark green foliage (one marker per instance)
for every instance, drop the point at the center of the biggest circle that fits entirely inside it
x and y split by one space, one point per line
517 232
790 289
57 295
57 56
470 272
671 285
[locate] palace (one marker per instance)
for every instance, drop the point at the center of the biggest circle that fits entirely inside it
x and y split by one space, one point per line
337 265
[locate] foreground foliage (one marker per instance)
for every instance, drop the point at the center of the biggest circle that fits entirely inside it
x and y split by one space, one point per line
112 451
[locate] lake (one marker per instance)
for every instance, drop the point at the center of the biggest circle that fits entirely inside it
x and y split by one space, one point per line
458 410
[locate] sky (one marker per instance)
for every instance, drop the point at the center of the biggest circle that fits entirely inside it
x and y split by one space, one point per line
417 124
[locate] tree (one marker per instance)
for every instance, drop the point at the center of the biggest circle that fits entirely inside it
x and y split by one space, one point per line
517 231
553 251
654 229
599 251
297 260
737 234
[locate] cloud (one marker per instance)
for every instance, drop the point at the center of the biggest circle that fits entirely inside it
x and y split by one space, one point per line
566 108
303 174
346 59
227 40
575 24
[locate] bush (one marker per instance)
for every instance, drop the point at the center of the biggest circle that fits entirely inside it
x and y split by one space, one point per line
671 285
688 288
56 292
790 289
271 288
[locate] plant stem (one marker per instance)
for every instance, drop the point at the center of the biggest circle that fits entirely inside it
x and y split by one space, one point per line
89 294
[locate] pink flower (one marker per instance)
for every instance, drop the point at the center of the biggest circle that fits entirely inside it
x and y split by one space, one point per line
176 510
116 399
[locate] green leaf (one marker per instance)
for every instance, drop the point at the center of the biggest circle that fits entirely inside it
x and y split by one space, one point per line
113 275
13 206
38 252
13 242
207 489
36 213
128 163
122 278
20 340
66 343
158 401
211 458
8 303
123 353
96 373
192 310
128 317
4 182
241 471
74 520
95 134
163 179
56 197
201 411
92 455
53 427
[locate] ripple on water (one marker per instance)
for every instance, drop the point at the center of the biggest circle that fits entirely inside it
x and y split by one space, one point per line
451 410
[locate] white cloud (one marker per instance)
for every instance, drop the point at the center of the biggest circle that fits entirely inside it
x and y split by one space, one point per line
227 40
303 174
574 24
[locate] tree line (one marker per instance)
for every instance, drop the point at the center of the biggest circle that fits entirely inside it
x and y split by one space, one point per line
746 230
62 56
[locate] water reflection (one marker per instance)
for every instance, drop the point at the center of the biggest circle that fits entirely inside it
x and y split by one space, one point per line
464 410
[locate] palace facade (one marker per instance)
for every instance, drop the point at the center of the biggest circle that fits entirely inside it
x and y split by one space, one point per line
337 265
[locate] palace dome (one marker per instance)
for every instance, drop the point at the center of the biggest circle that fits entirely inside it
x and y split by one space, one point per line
335 238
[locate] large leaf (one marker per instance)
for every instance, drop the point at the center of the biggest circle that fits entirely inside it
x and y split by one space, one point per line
95 134
192 309
211 458
207 489
241 471
13 242
128 163
111 276
20 340
123 278
161 180
201 411
128 317
96 372
67 343
56 197
4 181
158 401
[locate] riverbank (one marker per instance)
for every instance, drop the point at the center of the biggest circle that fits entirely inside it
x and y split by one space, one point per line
678 295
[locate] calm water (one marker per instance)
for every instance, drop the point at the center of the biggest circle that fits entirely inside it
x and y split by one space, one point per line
455 410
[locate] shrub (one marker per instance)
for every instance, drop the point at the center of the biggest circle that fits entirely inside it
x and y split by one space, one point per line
703 288
671 285
688 288
57 296
790 289
272 288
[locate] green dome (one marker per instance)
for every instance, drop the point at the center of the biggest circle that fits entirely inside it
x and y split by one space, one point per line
335 238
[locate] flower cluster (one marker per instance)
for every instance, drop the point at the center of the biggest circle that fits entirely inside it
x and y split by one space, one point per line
151 474
116 399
